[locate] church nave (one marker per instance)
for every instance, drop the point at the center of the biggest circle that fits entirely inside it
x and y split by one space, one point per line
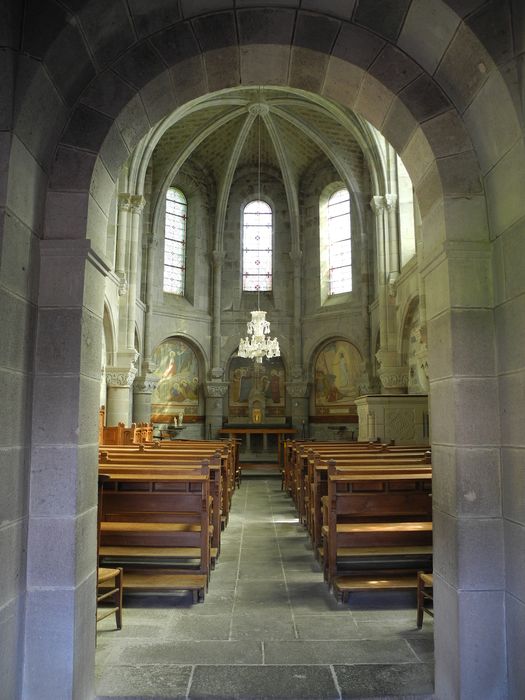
268 628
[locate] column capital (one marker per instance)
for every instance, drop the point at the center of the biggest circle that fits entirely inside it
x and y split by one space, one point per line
146 384
377 204
215 390
391 201
120 376
298 390
137 202
124 201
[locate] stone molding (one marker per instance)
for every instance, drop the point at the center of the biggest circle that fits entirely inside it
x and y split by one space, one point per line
124 201
298 390
378 204
215 390
120 377
394 377
390 201
137 203
145 384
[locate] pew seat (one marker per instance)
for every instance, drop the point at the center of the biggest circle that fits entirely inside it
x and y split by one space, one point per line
146 554
344 585
166 581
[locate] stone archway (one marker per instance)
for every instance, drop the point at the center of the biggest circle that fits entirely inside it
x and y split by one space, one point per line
363 70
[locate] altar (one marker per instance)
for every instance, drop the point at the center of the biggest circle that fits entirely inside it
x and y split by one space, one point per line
262 448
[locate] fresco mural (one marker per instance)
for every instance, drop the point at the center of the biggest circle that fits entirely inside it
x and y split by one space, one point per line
178 373
246 377
337 371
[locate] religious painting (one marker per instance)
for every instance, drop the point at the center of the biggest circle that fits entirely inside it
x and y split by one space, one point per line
337 372
249 382
178 373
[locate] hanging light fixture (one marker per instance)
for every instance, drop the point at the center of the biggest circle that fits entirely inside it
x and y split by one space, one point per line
257 344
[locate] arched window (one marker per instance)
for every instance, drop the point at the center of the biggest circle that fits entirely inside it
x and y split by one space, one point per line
257 235
175 241
339 235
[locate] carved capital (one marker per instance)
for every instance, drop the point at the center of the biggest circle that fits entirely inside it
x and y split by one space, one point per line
137 203
145 384
377 204
394 377
122 283
215 390
298 390
391 201
120 376
124 201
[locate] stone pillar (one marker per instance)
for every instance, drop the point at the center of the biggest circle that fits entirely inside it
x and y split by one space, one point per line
214 391
124 206
296 257
393 375
299 392
59 643
469 532
377 205
217 370
119 403
147 364
393 238
143 388
137 205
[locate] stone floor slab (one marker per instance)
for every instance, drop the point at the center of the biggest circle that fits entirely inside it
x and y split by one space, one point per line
338 652
140 681
373 680
263 683
190 652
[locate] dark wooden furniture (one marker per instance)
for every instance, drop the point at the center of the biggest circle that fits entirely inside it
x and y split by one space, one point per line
425 583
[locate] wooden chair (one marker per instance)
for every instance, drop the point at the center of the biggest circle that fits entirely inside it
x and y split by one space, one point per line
109 580
424 595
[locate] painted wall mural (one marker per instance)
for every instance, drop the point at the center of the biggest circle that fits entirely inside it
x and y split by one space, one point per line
178 373
249 380
337 372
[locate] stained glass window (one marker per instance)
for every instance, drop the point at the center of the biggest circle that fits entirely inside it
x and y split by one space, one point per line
339 242
257 233
175 241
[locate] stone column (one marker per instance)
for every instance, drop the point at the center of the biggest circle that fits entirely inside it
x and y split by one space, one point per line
217 370
143 388
137 205
299 392
393 238
147 364
124 207
59 643
119 404
296 257
469 531
393 375
214 391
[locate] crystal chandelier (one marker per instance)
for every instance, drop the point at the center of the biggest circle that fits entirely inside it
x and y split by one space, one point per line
257 345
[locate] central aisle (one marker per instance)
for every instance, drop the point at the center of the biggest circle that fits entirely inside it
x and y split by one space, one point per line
269 628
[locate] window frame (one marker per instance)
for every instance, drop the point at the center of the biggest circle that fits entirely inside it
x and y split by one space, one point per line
267 209
180 244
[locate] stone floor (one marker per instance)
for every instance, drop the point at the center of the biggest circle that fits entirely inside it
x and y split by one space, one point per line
269 628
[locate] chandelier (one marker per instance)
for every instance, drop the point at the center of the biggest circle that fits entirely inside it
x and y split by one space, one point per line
257 345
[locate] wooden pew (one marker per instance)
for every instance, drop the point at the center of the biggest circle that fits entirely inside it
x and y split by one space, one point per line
152 466
157 526
377 530
320 488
